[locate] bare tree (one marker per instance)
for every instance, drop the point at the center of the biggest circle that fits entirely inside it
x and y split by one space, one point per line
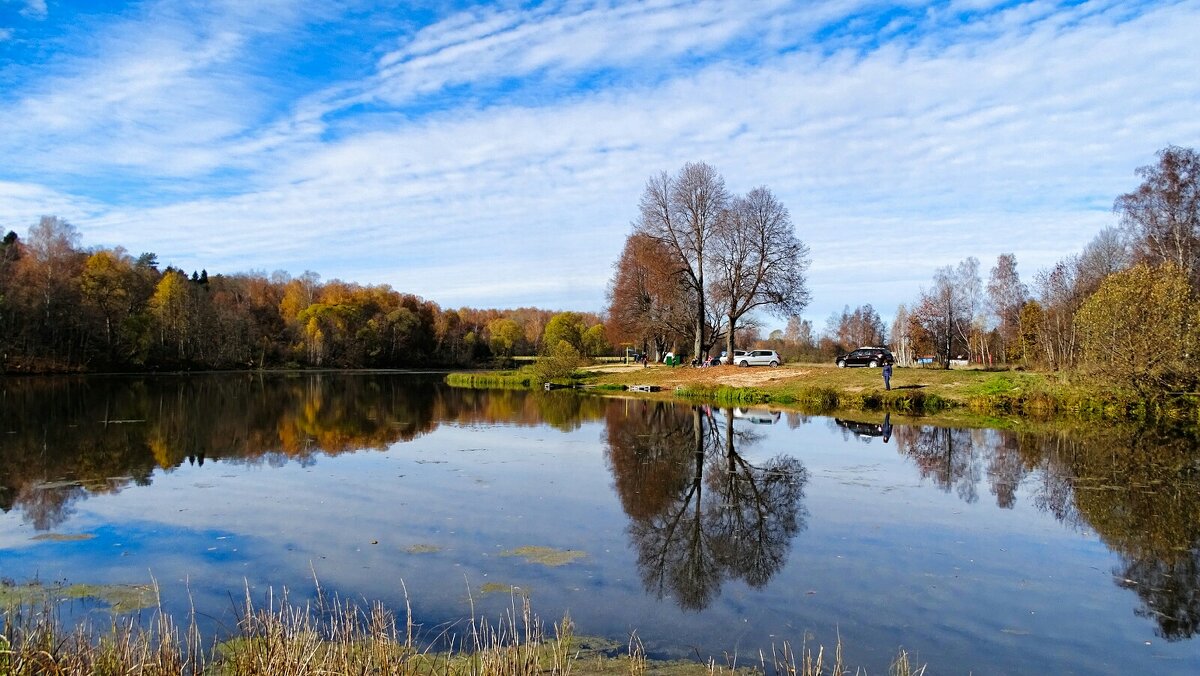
757 261
902 339
1060 296
1006 296
947 310
859 328
1107 253
681 212
1162 216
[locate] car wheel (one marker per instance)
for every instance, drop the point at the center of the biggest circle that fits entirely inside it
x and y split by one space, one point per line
841 364
743 363
774 363
873 363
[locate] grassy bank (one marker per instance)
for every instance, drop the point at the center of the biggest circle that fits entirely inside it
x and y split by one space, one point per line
495 380
343 638
824 387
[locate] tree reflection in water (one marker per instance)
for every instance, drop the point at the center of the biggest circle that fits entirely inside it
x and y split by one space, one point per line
62 439
700 512
1138 488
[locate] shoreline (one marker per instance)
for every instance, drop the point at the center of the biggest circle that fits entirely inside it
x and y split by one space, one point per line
974 394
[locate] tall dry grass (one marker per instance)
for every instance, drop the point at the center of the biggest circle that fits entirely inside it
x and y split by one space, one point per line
280 638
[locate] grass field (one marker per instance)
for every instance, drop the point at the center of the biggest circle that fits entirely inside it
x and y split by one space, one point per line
824 387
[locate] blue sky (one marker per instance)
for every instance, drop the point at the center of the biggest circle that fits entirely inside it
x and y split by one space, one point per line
492 154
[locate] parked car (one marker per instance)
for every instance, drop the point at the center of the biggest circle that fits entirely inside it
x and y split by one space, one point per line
736 353
866 356
757 358
758 416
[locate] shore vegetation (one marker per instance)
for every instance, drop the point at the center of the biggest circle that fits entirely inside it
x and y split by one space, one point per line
920 391
282 638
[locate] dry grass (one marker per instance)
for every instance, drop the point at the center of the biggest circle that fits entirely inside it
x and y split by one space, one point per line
336 637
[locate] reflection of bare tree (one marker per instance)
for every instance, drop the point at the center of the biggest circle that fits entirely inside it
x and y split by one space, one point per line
1169 589
1005 470
757 511
47 506
714 515
949 457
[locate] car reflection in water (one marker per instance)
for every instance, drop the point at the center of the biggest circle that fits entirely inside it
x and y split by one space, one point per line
758 416
866 431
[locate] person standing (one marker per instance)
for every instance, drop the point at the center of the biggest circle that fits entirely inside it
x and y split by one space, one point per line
887 375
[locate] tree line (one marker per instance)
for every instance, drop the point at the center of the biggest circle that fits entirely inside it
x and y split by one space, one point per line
66 308
1126 308
697 267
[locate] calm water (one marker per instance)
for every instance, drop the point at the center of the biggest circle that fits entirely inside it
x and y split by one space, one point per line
706 530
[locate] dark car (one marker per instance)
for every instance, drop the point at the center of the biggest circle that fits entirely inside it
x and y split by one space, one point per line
866 356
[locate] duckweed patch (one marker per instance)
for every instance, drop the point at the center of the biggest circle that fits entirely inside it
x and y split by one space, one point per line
120 598
546 556
422 548
501 588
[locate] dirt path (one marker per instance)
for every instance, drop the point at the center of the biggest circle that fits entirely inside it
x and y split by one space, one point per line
732 376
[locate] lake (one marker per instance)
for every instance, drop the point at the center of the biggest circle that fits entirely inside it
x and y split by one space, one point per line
705 530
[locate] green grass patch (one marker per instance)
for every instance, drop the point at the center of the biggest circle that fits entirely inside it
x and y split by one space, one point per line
495 380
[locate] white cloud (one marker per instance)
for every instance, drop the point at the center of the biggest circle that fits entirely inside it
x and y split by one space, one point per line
1014 135
490 44
35 9
23 204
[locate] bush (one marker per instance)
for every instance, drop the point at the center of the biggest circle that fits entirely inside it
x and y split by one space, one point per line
560 362
1141 329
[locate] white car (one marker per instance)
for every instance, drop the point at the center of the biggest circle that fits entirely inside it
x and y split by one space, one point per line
736 355
758 416
757 358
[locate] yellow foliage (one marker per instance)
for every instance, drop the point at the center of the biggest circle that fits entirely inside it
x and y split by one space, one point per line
1142 328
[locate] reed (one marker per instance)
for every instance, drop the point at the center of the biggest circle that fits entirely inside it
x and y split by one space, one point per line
503 380
281 638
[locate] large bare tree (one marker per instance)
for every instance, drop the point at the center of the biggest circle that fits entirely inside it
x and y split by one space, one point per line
681 212
757 261
1162 216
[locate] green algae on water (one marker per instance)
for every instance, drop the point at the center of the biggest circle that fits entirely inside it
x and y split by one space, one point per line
120 598
547 556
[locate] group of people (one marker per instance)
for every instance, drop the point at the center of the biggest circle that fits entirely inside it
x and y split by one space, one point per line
670 359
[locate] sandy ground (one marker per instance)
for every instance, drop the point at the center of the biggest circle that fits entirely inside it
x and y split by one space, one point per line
713 375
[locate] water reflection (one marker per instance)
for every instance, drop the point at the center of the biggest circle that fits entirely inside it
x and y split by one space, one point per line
702 508
62 439
866 431
700 513
1137 488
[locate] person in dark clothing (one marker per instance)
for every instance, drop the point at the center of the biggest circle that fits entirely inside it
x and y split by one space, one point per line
887 376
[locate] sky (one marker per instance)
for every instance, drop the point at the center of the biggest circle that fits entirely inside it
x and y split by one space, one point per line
493 154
